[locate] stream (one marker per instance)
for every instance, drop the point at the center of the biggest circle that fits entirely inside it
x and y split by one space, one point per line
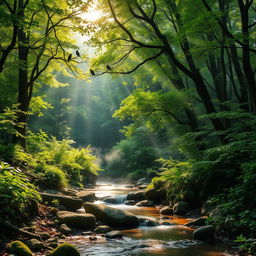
174 239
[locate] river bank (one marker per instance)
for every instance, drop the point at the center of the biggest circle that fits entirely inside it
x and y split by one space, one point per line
156 234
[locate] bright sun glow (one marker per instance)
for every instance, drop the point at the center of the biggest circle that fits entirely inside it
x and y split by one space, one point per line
91 15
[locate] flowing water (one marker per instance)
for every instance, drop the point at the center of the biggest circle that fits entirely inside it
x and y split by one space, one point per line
174 239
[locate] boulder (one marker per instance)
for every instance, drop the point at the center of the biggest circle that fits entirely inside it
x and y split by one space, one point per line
112 216
35 244
110 200
86 196
103 229
148 222
18 248
44 235
200 222
155 195
166 210
72 203
136 196
142 181
130 202
64 229
80 220
65 249
145 203
114 235
180 208
204 233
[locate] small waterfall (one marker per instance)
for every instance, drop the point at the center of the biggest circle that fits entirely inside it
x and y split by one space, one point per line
120 199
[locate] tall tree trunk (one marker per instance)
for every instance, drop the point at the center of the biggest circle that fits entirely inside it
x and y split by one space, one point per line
23 91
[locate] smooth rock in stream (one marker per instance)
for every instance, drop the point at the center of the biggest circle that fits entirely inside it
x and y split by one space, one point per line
136 196
103 229
110 200
148 222
72 203
86 196
112 217
200 222
204 233
180 208
80 220
145 203
35 244
64 229
65 249
155 195
114 235
166 210
130 202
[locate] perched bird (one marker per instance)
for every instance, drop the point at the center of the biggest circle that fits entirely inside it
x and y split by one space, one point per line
69 57
78 53
92 72
108 67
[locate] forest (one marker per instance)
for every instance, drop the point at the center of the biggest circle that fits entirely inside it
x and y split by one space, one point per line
156 94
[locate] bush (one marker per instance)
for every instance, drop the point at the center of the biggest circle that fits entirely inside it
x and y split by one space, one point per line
54 177
17 194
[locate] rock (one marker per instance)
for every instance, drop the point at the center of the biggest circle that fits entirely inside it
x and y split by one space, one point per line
69 192
114 235
52 191
102 229
164 218
155 195
52 240
87 233
72 203
200 222
61 207
165 223
44 235
137 196
80 220
130 202
110 200
180 208
112 217
86 196
65 249
145 203
64 229
166 210
18 248
148 222
35 244
204 233
53 245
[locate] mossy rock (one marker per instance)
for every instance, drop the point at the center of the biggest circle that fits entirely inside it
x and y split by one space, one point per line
18 248
65 249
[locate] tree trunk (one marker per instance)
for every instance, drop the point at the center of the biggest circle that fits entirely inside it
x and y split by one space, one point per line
23 91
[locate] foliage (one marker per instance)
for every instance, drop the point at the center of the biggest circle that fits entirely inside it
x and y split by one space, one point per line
54 177
134 156
17 194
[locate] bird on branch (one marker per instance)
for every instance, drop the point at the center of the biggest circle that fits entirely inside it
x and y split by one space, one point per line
92 72
108 67
69 57
78 53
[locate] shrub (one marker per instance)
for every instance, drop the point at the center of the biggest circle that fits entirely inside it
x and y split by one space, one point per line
17 194
54 177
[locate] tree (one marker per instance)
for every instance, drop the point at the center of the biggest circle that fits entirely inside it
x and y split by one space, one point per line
200 54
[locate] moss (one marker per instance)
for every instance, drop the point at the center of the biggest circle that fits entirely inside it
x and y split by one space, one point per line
18 248
65 249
